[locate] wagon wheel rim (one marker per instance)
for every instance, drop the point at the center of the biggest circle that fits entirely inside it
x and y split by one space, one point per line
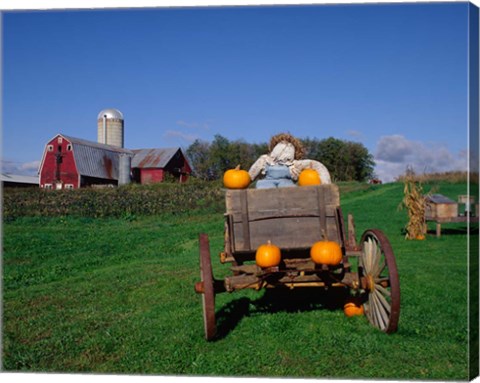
208 295
379 271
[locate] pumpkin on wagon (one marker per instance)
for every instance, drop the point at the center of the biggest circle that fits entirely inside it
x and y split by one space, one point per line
289 232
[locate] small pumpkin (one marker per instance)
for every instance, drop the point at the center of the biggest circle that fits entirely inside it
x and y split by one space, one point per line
420 237
268 255
309 177
236 178
352 308
326 252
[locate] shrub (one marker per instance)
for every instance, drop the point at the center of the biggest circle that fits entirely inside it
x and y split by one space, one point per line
124 201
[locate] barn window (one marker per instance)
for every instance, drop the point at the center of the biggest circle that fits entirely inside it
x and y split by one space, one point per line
48 186
69 147
68 186
50 148
60 140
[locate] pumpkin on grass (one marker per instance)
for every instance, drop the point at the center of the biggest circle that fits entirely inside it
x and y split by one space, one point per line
353 307
268 255
236 178
326 252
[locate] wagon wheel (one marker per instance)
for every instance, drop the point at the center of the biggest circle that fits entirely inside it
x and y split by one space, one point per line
208 294
378 270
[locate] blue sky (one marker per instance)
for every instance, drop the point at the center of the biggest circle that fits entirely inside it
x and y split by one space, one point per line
391 76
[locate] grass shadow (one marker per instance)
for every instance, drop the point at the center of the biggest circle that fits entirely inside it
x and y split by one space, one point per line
300 300
278 300
461 230
230 315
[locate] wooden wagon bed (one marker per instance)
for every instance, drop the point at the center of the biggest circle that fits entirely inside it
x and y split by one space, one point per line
292 218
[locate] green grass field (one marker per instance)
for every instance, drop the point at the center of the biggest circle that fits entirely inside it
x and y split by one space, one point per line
116 296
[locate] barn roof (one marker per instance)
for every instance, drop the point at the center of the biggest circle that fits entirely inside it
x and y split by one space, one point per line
96 160
19 179
81 141
439 199
153 158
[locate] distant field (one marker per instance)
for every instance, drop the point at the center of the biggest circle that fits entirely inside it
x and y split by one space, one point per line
115 295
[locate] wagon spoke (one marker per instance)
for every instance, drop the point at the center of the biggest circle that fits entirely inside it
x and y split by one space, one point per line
364 256
383 290
372 255
382 320
379 263
378 320
376 254
384 313
369 255
384 302
374 314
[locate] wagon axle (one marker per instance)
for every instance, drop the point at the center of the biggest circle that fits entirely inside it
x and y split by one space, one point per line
290 279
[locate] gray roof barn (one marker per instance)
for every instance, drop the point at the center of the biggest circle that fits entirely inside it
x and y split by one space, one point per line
18 180
96 160
153 158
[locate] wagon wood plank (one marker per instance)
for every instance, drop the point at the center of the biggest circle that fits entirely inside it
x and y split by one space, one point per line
245 218
322 210
289 217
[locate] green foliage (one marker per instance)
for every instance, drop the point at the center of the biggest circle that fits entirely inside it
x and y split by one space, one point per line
115 295
346 160
128 200
211 160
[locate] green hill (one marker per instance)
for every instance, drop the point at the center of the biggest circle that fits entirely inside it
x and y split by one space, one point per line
115 295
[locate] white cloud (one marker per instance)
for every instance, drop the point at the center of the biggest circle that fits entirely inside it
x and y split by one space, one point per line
355 134
30 166
194 125
395 153
20 168
183 136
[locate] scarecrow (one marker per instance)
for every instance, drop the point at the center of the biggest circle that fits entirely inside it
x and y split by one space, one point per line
283 164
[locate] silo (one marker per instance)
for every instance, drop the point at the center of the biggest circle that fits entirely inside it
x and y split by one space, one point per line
124 167
110 127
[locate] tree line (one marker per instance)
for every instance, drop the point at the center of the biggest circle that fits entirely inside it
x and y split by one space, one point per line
346 160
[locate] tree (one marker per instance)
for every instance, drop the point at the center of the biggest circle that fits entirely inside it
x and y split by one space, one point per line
346 160
211 160
198 154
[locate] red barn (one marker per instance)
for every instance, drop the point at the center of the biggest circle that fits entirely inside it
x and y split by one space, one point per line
152 165
71 163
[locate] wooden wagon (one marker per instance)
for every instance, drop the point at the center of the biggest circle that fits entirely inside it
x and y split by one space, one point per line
294 219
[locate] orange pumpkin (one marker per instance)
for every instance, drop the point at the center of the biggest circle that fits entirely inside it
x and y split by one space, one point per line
268 255
309 177
236 178
353 308
326 252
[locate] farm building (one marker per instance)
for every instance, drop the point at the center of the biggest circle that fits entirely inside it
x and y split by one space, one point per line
151 165
18 181
71 163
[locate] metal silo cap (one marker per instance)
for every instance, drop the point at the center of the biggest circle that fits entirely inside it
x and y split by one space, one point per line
110 113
